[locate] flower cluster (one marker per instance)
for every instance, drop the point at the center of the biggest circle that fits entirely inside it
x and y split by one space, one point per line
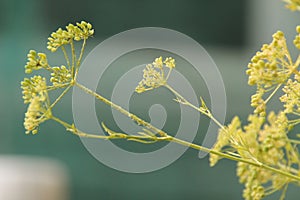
35 115
273 138
35 94
60 76
253 187
34 87
154 74
268 68
262 143
35 61
291 98
80 31
170 62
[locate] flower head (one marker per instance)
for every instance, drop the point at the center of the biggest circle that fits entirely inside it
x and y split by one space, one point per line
35 61
151 79
270 65
269 68
35 115
273 138
258 102
35 93
34 87
60 76
80 31
154 74
170 62
158 63
291 98
58 38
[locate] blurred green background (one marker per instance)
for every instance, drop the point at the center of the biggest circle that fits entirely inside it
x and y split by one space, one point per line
222 27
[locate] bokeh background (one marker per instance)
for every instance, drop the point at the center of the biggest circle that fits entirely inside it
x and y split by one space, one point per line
231 31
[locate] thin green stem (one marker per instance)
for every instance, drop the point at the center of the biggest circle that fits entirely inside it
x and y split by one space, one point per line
60 96
296 113
52 87
282 196
73 58
294 141
168 74
238 159
79 59
178 141
81 53
48 67
287 54
66 56
288 168
273 93
65 124
135 118
297 63
114 135
231 157
49 109
204 111
76 131
271 190
186 102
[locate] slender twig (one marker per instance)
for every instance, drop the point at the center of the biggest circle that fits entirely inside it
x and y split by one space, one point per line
294 141
135 118
66 56
169 72
273 93
73 58
186 102
60 96
282 196
81 53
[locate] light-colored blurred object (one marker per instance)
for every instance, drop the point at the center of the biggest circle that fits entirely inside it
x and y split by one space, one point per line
32 178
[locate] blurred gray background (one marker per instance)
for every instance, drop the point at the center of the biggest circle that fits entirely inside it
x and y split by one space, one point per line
231 31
